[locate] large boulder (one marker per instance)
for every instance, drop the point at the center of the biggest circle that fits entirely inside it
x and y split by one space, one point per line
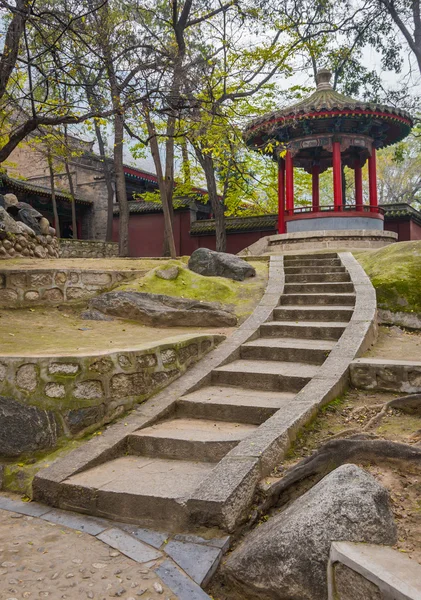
286 557
25 429
220 264
162 311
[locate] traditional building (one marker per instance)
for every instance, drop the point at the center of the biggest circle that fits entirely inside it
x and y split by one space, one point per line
322 131
29 161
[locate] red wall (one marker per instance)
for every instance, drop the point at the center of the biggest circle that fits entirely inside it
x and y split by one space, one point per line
146 234
415 231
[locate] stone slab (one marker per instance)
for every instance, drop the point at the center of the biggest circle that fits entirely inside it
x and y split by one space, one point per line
31 509
86 524
221 543
197 560
149 536
179 583
129 546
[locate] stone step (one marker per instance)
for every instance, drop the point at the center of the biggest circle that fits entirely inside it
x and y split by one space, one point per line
265 375
302 270
318 288
316 277
287 349
144 490
315 330
313 262
294 257
313 313
317 299
188 439
226 403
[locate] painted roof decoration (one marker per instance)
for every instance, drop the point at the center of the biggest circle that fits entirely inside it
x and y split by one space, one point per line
326 111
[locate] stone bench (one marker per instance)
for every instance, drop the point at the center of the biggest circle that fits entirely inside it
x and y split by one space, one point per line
370 572
386 375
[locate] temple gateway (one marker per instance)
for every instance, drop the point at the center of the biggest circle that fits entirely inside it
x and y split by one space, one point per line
326 130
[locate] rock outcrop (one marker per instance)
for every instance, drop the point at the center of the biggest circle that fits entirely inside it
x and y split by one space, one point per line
286 557
220 264
158 310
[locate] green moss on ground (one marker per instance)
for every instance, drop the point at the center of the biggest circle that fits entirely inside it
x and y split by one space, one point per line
18 476
242 296
395 272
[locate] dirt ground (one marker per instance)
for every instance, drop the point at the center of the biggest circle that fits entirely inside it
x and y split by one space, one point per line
59 331
396 343
44 560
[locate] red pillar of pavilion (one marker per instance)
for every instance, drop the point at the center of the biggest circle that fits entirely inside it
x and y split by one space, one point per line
315 172
289 180
281 196
337 176
372 180
358 178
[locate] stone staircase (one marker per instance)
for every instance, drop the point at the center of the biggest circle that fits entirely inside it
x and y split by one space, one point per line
155 472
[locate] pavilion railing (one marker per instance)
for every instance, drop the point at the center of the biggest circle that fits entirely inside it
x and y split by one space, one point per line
365 208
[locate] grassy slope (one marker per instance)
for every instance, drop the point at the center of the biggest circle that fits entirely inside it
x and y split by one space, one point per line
241 295
395 272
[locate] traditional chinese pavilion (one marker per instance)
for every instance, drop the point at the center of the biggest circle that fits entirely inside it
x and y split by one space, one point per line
326 130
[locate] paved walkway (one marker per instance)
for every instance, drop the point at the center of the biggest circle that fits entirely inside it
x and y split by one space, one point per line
56 554
46 560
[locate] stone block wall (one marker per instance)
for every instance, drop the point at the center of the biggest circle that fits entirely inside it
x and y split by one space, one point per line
20 288
87 249
43 399
20 245
386 375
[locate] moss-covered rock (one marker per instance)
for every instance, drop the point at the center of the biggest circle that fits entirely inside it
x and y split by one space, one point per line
395 272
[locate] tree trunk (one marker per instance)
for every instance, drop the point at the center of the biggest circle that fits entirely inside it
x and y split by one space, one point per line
73 199
186 162
53 194
123 222
218 210
169 235
108 183
169 179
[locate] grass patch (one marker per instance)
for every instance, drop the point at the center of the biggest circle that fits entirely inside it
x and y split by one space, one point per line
395 272
242 296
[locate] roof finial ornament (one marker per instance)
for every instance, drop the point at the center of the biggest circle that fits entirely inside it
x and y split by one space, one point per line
323 78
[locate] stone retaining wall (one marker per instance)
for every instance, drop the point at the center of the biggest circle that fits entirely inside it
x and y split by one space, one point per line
87 249
53 397
19 289
20 245
386 375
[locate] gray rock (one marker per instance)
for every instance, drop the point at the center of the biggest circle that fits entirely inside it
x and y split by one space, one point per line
80 418
25 429
8 223
220 264
158 310
167 274
44 225
95 315
286 557
10 200
29 216
22 228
